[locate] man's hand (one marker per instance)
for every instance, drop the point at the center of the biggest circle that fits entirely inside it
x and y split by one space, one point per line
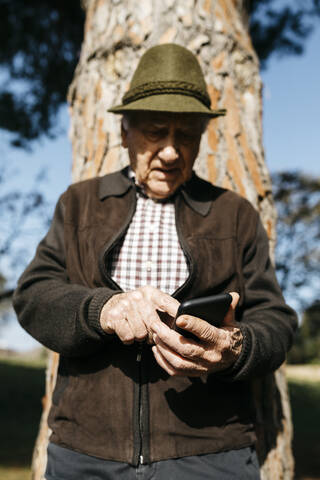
216 349
130 315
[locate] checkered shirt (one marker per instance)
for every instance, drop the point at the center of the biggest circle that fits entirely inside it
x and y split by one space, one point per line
150 252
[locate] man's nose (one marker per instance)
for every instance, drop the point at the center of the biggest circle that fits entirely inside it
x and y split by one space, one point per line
168 153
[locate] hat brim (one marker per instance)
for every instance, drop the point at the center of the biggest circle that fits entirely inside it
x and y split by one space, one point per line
172 103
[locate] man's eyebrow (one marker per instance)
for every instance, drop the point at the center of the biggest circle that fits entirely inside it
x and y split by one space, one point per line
157 123
185 127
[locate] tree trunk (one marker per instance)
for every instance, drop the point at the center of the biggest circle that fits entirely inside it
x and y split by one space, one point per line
117 33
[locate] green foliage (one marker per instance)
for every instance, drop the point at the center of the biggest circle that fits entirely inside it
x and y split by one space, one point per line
281 27
306 348
305 404
297 198
20 410
40 45
2 281
5 303
23 214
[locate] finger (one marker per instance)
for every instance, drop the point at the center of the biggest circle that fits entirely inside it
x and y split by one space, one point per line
142 313
174 365
124 332
179 361
154 302
136 322
185 347
142 302
202 329
149 317
166 318
165 302
229 318
162 361
137 326
111 314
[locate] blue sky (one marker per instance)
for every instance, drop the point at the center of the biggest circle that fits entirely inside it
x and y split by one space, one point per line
291 140
292 111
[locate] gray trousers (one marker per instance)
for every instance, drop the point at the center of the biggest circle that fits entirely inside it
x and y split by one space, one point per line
65 464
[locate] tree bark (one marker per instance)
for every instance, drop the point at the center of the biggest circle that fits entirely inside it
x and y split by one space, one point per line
117 33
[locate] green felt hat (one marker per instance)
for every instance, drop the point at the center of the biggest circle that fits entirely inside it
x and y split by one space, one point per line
168 78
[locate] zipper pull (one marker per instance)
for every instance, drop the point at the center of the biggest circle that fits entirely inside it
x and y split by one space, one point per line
139 354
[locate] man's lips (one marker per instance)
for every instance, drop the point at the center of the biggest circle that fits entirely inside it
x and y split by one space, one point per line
166 172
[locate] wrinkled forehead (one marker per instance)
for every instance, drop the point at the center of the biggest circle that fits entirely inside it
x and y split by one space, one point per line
167 119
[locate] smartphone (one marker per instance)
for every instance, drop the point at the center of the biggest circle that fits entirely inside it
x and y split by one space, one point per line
212 309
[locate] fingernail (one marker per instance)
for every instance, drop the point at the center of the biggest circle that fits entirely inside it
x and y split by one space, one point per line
155 337
181 322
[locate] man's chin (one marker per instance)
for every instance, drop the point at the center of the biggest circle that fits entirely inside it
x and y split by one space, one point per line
160 190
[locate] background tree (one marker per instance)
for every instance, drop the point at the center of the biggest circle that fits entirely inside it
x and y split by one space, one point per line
306 348
297 199
40 45
22 215
5 303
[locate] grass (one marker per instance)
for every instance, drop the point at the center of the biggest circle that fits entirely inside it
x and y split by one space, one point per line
15 473
304 389
22 387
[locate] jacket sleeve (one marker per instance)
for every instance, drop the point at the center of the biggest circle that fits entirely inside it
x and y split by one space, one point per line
62 316
266 322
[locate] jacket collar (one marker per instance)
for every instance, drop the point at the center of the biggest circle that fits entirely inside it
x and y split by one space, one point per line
115 184
197 193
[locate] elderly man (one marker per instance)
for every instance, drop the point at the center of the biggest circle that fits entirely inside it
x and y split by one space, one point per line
134 398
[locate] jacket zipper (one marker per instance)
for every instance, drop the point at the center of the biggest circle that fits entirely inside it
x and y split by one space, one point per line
141 410
141 448
185 251
140 415
140 407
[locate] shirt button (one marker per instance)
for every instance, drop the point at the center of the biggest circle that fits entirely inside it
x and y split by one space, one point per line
149 266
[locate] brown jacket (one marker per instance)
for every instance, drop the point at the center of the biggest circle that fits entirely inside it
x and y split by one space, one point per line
107 402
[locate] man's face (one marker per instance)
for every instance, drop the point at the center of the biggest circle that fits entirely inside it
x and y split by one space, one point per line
162 149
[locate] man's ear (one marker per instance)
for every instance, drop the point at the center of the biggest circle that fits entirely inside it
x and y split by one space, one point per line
124 134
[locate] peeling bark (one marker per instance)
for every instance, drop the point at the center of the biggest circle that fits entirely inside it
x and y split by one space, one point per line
117 33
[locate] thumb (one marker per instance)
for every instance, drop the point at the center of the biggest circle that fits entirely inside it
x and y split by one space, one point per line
229 318
195 327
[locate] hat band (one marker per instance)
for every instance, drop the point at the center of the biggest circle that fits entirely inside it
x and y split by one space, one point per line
165 87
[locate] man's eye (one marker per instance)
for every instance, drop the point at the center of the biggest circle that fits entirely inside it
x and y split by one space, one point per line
187 136
155 134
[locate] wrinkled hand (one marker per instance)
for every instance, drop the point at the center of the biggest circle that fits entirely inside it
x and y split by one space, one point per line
130 315
216 349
